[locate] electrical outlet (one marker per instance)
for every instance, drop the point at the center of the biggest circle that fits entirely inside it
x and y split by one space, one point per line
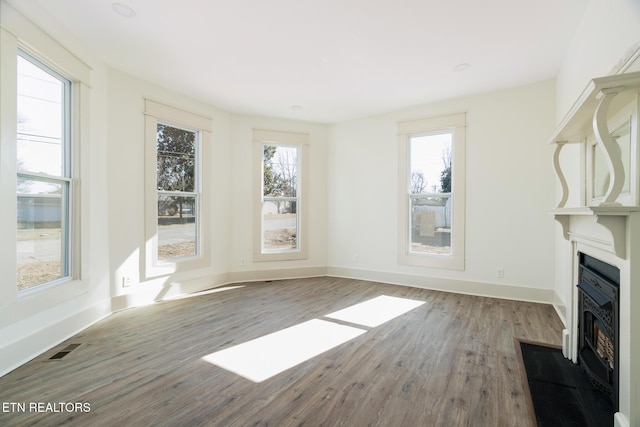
500 273
243 261
356 259
126 281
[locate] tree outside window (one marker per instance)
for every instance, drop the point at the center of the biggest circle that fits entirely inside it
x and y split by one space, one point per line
280 198
177 192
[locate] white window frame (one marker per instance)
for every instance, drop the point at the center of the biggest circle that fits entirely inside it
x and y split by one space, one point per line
65 179
155 113
286 139
456 124
19 34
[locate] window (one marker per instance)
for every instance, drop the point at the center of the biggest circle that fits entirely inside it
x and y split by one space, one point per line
44 174
44 146
432 192
177 141
279 198
177 171
281 215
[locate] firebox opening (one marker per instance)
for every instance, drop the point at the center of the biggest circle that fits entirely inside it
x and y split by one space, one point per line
598 329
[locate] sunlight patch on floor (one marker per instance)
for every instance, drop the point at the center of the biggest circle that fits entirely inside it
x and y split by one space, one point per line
376 311
264 357
269 355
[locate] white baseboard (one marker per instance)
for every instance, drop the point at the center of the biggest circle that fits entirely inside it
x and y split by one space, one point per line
561 311
147 293
620 420
483 289
277 274
19 352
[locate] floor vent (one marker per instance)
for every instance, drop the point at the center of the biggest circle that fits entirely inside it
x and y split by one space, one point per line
59 355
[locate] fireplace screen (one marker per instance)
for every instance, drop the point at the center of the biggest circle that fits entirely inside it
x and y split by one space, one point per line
604 346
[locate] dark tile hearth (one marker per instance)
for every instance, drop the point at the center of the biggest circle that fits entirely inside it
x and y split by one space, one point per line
562 394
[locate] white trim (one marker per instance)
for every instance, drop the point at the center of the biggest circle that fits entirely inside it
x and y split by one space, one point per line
28 347
202 125
277 274
291 139
457 124
178 116
466 287
8 176
280 137
432 124
40 44
152 293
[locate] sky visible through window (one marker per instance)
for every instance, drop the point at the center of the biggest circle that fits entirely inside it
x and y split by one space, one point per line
40 122
427 153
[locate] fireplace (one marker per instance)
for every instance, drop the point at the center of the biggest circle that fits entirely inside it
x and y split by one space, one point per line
598 324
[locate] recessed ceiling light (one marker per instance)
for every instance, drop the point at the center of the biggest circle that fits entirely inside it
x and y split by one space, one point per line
462 67
123 10
296 108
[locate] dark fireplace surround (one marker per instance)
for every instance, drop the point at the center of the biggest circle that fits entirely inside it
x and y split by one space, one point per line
598 323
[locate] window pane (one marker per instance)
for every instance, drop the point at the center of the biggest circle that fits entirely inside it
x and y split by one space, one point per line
431 225
41 120
177 230
41 233
280 171
176 167
431 163
431 168
279 225
601 176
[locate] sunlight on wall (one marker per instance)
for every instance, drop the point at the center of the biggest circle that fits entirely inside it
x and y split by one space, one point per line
261 358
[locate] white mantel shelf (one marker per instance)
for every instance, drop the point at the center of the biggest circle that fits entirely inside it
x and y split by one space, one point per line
578 123
612 218
622 211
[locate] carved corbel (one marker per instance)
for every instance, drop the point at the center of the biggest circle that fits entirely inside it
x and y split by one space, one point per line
560 175
609 147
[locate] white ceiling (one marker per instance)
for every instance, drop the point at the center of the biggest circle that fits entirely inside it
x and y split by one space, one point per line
337 59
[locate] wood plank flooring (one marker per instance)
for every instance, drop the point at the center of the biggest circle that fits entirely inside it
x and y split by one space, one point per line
450 362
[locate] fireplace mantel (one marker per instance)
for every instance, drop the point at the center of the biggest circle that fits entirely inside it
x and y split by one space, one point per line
599 212
587 123
612 218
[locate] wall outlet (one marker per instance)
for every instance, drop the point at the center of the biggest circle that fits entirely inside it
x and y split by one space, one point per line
243 261
126 281
356 259
500 273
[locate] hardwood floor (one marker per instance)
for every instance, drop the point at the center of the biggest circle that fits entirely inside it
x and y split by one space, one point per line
449 362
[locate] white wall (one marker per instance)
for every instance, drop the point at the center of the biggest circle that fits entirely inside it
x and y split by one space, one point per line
510 190
608 33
